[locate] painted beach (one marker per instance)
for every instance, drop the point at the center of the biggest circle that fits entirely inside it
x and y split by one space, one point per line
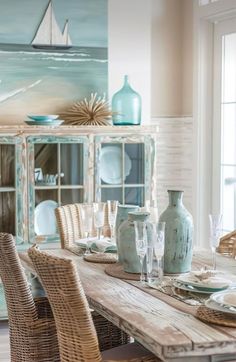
41 81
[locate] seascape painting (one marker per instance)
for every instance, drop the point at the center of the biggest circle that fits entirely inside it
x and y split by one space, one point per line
52 53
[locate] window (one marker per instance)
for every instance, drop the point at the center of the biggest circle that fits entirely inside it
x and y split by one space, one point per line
224 125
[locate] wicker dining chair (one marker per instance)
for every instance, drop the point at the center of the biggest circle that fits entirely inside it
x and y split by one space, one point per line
77 336
70 226
32 330
70 230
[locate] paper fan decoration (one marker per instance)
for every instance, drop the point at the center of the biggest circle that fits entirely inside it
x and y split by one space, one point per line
95 112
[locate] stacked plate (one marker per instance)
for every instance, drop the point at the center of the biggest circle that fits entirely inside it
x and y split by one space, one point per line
224 301
44 120
207 282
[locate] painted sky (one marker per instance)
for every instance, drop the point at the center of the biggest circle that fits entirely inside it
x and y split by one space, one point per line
19 20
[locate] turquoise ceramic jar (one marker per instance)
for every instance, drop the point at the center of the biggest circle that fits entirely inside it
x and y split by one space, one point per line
127 246
122 215
178 235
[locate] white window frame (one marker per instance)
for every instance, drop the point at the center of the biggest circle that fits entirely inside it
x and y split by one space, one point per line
204 20
227 26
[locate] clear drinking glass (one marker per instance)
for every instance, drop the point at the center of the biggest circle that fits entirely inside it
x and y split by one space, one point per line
140 228
215 232
99 211
112 212
86 211
155 253
151 207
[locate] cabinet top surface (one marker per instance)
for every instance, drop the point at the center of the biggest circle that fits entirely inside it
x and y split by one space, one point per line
112 130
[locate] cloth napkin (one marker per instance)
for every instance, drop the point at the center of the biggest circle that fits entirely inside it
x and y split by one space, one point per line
230 299
211 279
103 245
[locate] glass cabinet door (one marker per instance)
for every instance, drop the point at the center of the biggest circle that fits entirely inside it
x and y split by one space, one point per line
124 168
57 176
11 187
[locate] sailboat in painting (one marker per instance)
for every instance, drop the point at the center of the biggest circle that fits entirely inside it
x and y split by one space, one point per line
49 35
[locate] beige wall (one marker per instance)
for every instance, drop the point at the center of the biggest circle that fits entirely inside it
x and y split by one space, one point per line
129 48
171 61
187 64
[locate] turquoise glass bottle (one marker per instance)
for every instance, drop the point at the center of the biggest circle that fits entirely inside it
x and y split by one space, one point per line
126 106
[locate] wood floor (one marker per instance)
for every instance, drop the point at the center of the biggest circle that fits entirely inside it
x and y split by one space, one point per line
4 343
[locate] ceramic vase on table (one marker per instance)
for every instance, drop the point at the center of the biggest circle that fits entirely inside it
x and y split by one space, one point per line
122 215
127 245
178 235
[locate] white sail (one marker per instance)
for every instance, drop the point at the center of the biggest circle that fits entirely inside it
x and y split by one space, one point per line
66 35
48 32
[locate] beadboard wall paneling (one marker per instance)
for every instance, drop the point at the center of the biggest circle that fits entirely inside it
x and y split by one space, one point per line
174 159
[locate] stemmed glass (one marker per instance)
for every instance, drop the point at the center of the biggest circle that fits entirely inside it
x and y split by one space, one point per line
86 211
99 211
140 228
156 253
215 231
112 212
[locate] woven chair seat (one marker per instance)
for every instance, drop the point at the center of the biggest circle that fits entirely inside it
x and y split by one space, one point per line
32 330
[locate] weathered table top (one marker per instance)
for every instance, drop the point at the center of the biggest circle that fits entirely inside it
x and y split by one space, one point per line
164 325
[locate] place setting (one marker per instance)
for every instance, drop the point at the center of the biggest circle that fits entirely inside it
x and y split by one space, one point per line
95 246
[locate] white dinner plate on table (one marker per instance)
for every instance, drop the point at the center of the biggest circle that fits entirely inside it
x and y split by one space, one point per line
219 308
44 218
111 165
192 289
226 298
214 283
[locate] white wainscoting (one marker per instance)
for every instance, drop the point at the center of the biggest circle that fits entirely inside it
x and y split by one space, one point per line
174 159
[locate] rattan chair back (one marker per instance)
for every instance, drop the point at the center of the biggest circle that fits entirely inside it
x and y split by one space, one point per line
19 298
70 226
76 332
227 245
32 333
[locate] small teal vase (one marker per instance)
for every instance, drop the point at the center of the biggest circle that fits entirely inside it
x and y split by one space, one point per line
126 106
178 235
122 215
127 245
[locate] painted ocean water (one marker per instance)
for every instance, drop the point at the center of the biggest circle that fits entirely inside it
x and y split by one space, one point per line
34 81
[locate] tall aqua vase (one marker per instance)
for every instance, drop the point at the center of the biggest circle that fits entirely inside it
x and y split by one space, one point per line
122 215
127 247
178 235
126 106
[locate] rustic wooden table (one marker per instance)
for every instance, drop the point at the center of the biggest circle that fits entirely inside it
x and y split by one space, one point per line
164 325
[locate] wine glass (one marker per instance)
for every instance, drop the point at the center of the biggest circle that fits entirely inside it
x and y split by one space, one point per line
99 211
86 211
112 212
215 231
156 253
140 228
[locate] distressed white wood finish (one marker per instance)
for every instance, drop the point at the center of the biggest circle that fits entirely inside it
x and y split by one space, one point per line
164 325
62 130
123 134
